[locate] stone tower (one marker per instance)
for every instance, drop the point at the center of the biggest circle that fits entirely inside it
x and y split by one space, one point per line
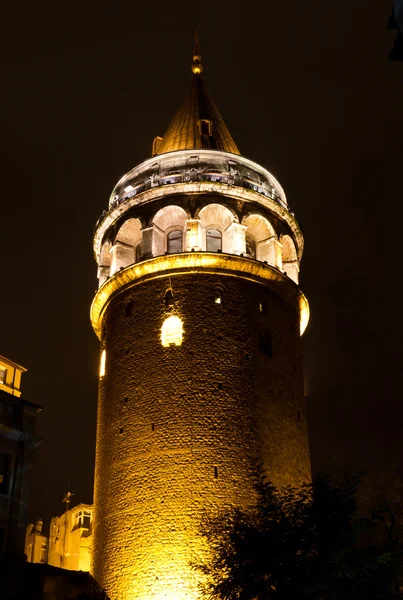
199 315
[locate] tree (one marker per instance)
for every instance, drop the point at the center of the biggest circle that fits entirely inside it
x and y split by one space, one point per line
298 543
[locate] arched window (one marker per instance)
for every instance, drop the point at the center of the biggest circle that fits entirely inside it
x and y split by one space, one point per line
213 240
172 332
169 298
129 308
174 241
250 247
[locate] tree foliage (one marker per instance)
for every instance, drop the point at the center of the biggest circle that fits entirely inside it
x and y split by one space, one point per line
298 543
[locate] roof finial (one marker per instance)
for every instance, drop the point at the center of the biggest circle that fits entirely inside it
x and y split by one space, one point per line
197 67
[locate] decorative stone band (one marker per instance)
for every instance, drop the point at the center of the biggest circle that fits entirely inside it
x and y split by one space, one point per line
195 188
197 262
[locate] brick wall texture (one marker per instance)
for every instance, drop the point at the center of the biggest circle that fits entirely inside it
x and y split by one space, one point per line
178 427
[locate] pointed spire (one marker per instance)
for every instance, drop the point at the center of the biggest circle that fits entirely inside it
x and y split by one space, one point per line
197 66
197 123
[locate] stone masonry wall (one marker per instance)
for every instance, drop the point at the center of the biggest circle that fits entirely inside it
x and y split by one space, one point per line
178 427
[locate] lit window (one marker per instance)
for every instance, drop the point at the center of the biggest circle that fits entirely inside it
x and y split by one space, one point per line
3 375
174 241
82 519
102 364
218 296
213 240
172 332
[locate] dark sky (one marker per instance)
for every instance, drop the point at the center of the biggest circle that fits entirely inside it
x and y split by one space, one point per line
306 90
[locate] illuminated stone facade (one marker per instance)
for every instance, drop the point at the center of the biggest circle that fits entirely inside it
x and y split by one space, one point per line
69 542
187 406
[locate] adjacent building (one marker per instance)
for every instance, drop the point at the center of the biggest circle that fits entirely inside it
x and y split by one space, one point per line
69 543
18 444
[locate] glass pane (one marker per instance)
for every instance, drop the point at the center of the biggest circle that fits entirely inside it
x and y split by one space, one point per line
213 240
174 241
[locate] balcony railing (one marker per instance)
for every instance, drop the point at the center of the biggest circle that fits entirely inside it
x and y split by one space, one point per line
192 176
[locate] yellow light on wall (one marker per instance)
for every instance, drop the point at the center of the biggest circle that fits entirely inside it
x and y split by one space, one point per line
102 364
172 332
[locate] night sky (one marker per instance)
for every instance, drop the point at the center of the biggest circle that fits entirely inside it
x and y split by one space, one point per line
306 91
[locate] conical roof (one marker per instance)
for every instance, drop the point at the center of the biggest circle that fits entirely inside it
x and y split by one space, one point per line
197 123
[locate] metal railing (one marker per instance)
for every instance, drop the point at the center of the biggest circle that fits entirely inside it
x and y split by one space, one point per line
190 177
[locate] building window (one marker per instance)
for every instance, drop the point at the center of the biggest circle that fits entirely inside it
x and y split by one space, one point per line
174 241
43 553
129 308
172 332
169 298
218 296
82 519
102 364
250 247
265 345
3 374
213 240
263 308
205 127
4 472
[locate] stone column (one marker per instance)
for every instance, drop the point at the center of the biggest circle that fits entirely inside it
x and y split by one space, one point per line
103 274
194 235
291 269
234 240
122 256
270 250
153 242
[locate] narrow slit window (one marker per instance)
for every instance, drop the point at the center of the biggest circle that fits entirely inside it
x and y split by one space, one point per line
129 308
213 240
218 297
169 298
121 430
265 347
215 472
102 364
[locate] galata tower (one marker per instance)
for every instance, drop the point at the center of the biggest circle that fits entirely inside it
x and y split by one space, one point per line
199 317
